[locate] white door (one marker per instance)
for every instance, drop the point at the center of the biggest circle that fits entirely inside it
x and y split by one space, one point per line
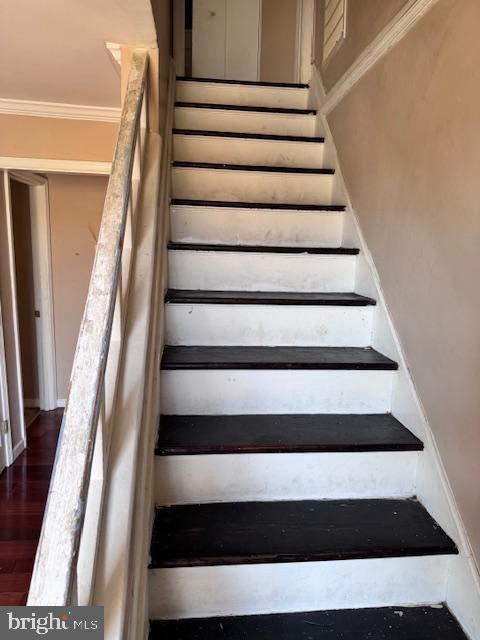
5 435
226 39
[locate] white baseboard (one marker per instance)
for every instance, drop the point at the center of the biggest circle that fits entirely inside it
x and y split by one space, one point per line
432 485
61 402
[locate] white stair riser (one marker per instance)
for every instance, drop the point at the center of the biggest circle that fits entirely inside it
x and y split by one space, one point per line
231 392
224 271
298 476
264 227
309 586
251 186
268 325
275 153
253 96
285 124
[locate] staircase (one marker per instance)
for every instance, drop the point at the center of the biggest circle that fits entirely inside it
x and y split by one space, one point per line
285 487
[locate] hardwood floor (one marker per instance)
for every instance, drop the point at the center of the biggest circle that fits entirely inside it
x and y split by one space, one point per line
23 494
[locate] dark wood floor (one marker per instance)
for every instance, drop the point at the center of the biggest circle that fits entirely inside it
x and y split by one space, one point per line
23 494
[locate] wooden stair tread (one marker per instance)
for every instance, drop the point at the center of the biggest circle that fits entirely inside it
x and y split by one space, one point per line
294 531
245 248
249 83
274 206
392 623
248 108
225 166
223 434
346 358
185 296
246 136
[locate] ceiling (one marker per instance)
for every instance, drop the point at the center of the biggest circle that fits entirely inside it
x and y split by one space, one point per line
54 50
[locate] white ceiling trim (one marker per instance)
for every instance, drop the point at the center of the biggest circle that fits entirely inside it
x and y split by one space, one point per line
45 165
58 110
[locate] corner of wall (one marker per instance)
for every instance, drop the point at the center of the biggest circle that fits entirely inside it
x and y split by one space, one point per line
432 485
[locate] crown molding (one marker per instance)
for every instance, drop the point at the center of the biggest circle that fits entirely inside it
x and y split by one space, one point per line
45 165
63 110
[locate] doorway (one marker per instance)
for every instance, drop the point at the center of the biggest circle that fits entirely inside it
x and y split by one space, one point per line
29 375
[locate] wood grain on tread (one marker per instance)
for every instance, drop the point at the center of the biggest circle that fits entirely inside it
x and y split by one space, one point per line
299 531
185 296
333 358
247 136
248 83
216 166
247 248
394 623
224 434
237 107
274 206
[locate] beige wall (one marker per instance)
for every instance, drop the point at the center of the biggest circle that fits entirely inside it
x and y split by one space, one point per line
408 138
76 204
365 20
278 41
20 199
52 138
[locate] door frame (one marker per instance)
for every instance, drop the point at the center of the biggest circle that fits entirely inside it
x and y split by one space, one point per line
6 458
305 39
43 282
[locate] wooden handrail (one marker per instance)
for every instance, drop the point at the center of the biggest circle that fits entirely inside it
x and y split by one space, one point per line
54 578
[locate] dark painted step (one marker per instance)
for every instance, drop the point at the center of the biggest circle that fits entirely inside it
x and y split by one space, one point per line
394 623
344 358
250 167
256 205
247 136
236 107
303 531
190 435
252 83
184 296
244 248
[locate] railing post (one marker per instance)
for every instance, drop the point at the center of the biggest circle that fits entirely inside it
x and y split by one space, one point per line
66 555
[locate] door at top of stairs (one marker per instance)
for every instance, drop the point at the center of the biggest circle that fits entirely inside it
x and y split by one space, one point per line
226 39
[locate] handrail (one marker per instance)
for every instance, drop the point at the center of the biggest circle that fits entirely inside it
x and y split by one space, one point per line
65 560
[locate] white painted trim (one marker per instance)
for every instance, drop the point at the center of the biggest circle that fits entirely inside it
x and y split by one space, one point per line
62 110
61 402
401 24
115 50
43 286
43 279
13 289
6 440
19 448
45 165
305 39
433 486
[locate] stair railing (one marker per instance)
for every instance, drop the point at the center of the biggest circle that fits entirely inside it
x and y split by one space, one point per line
64 569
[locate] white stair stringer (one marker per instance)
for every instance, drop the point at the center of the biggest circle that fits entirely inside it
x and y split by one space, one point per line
197 592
